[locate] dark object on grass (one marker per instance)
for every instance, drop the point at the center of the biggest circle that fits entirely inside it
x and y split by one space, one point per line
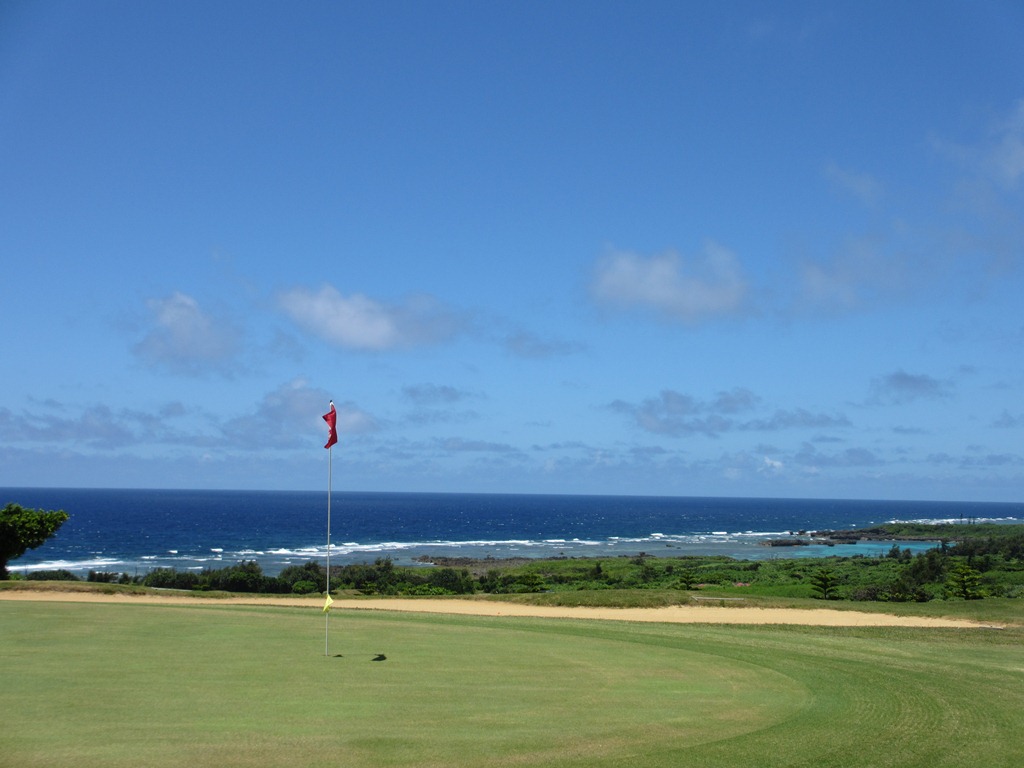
379 657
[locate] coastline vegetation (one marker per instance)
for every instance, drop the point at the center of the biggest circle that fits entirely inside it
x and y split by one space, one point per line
970 562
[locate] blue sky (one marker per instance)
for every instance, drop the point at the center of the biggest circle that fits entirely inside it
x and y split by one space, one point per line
738 248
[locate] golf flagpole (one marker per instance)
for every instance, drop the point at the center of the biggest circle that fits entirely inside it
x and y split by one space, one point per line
327 613
331 417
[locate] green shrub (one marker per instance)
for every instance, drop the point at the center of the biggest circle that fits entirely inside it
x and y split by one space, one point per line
304 587
311 571
451 581
57 575
426 590
168 578
103 577
246 576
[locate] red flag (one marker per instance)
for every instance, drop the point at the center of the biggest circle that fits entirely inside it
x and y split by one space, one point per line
331 417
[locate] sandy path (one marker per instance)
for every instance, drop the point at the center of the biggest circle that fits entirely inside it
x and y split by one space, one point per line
680 614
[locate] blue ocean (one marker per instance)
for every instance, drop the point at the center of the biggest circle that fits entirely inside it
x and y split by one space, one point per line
134 531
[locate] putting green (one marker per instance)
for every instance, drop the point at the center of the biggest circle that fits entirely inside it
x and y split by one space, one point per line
120 685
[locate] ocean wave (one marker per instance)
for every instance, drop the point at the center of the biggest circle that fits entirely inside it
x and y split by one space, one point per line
957 521
91 564
273 559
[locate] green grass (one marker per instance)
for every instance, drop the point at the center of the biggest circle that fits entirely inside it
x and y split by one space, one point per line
140 685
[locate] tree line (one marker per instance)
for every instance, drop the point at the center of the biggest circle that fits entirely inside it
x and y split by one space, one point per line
379 578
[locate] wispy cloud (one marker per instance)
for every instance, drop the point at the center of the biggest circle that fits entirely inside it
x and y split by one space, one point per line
285 418
663 416
359 322
900 387
289 417
1004 155
1007 420
984 227
688 290
675 414
810 457
436 404
97 426
434 394
860 272
862 186
998 156
798 418
534 347
185 339
459 445
981 461
734 400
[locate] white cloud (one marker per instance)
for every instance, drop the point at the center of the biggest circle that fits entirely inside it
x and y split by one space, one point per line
185 339
359 322
674 287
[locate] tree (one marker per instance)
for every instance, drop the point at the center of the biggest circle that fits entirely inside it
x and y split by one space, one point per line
823 583
450 580
687 578
964 582
927 568
23 529
310 571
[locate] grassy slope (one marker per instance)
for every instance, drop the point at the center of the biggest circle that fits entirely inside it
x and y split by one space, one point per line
120 685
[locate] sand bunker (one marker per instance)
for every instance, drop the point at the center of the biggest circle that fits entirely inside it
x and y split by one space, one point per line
680 614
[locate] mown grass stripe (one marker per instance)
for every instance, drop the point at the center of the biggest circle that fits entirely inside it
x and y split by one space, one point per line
120 685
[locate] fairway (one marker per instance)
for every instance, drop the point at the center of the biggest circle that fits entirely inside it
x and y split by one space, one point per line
139 685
